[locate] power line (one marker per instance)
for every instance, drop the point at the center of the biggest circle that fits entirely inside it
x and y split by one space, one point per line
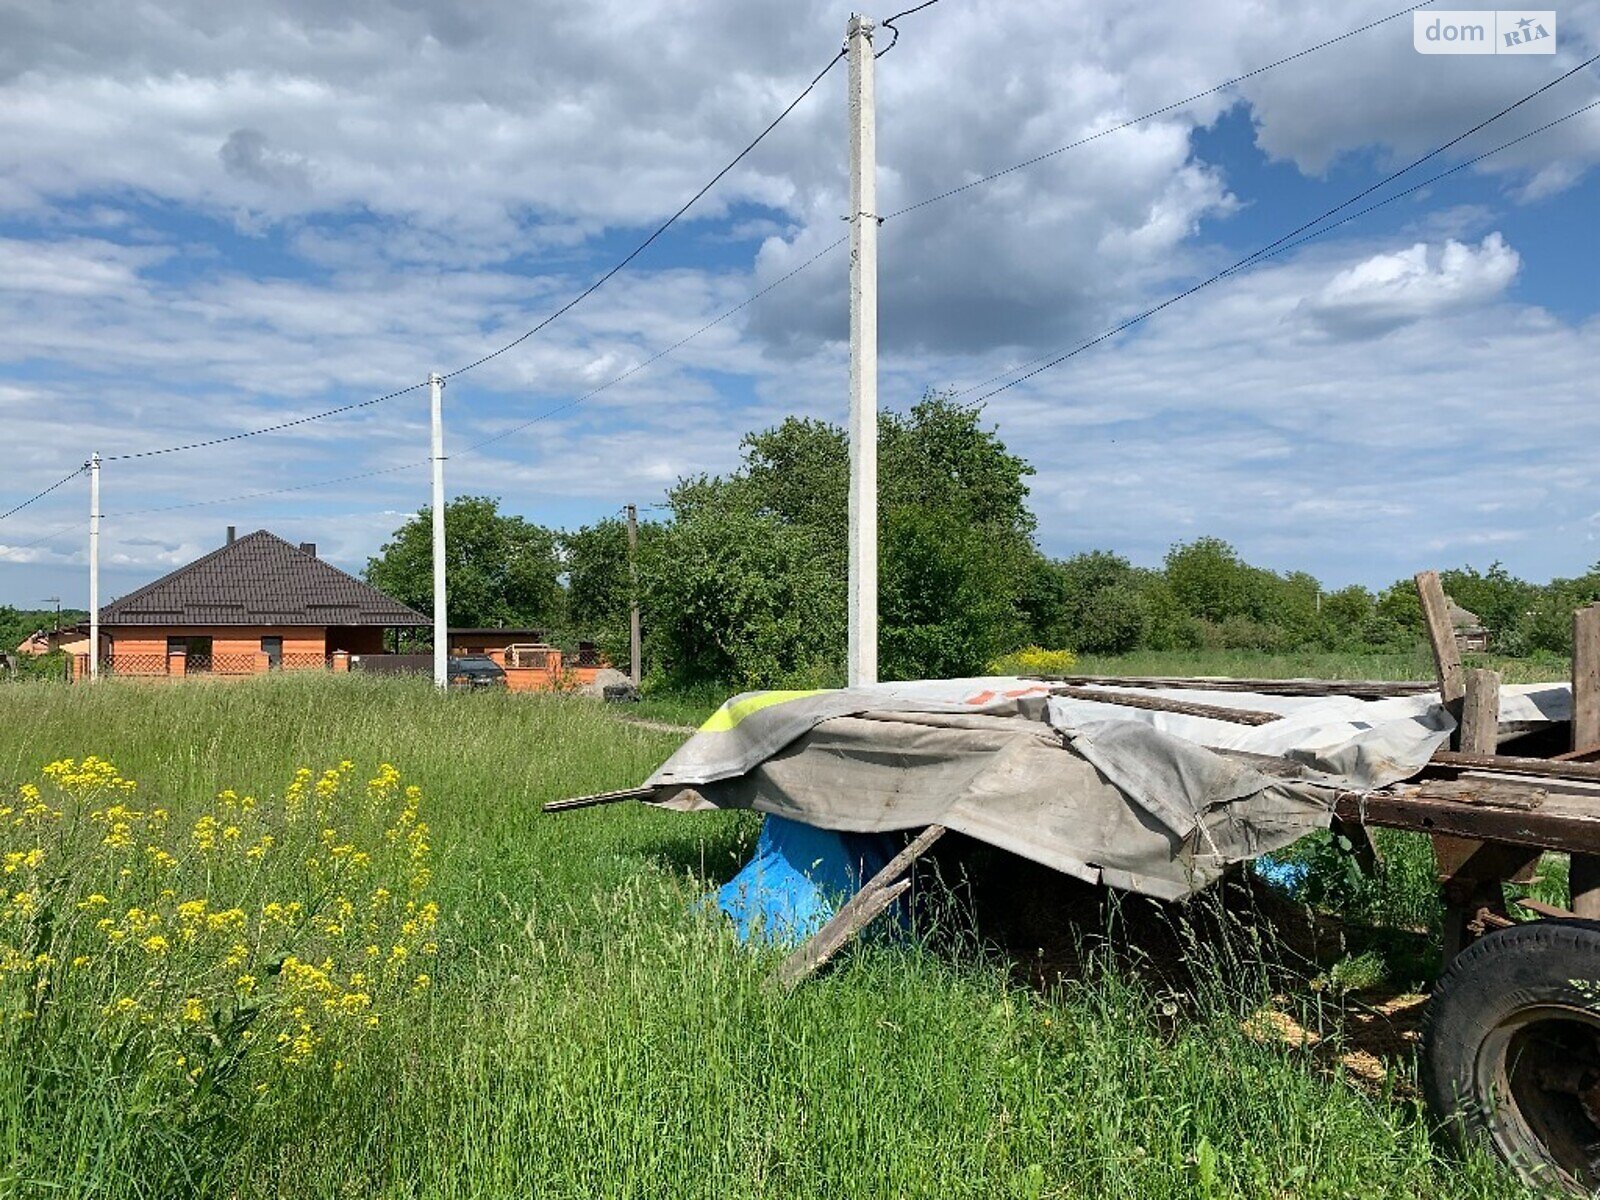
41 495
1276 246
660 229
235 437
515 342
660 354
299 487
1163 110
55 533
889 23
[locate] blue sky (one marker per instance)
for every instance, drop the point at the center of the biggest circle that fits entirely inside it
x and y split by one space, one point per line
218 217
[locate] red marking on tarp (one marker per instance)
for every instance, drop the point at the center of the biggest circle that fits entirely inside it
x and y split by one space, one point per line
981 698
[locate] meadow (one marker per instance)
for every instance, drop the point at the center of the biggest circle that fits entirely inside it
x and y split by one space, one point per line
587 1026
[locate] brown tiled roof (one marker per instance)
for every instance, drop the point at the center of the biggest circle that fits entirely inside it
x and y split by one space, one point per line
259 579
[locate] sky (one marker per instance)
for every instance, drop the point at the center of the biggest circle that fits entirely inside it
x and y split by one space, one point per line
220 216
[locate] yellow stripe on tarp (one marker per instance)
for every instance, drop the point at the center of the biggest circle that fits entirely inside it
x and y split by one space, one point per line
734 711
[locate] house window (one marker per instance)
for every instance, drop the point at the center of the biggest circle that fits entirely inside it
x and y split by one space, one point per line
272 647
196 650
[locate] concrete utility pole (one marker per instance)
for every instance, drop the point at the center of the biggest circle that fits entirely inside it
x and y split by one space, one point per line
441 613
863 585
94 565
635 673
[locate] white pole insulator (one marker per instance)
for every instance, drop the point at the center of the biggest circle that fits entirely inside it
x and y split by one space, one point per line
863 585
441 617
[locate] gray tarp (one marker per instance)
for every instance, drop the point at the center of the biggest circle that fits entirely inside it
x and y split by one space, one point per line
1132 798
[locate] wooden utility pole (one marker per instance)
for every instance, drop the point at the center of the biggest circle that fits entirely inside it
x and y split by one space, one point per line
863 583
635 657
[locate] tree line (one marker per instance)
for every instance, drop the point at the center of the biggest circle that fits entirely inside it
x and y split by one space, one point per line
741 580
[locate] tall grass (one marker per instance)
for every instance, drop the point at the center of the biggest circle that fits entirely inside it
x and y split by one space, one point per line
594 1030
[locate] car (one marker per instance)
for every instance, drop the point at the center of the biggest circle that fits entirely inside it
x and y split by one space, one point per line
473 671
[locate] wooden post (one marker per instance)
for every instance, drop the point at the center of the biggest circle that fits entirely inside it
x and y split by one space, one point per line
1480 713
1584 869
882 890
1442 638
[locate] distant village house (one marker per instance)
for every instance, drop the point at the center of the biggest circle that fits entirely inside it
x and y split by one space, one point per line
255 605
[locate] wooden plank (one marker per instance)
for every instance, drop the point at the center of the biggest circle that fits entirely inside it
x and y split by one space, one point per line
1586 676
638 793
1506 764
1547 827
1187 708
1582 754
1360 688
1480 789
856 914
1441 637
1480 713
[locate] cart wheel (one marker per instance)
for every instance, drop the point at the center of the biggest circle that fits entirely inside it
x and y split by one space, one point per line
1511 1050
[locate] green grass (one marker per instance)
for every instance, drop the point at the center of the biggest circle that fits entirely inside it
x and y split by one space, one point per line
594 1031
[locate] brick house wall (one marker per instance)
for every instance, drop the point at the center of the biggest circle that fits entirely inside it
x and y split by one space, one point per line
236 649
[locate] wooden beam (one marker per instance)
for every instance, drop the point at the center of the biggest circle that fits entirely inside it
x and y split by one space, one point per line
1480 713
1187 708
1547 826
1586 676
638 793
1361 688
1506 764
1442 638
882 890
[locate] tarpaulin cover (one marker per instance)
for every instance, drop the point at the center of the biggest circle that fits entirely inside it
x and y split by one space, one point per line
799 876
1155 802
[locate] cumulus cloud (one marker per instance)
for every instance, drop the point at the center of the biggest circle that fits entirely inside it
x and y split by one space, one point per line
430 177
1387 291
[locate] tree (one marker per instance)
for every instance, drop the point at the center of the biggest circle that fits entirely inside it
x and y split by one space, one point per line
955 552
734 595
1210 581
502 570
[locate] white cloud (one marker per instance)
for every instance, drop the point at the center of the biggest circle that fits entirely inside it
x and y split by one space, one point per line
431 176
1386 291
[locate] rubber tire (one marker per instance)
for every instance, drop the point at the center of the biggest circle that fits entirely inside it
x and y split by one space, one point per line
1502 974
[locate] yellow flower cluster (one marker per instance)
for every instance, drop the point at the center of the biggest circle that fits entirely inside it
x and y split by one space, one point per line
276 931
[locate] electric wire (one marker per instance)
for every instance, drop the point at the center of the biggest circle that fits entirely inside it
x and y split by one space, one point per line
55 533
256 495
660 354
889 23
250 433
660 229
41 495
545 323
1274 247
1152 114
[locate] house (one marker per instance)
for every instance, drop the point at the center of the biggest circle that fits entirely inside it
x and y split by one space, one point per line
1471 634
69 639
256 604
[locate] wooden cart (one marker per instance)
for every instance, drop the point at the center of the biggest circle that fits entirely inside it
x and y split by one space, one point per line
1511 1037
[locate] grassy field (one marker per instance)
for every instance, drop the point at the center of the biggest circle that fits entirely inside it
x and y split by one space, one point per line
588 1028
